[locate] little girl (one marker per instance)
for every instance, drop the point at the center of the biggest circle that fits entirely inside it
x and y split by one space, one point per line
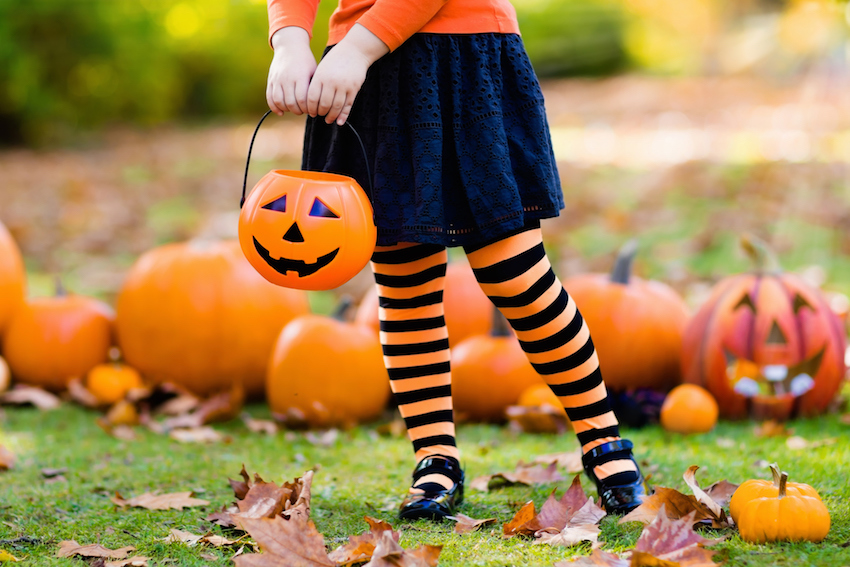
452 118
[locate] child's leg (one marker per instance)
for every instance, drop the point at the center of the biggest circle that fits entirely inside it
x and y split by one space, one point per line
415 341
516 275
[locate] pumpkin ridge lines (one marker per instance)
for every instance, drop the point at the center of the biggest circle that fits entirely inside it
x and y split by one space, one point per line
751 344
798 323
701 351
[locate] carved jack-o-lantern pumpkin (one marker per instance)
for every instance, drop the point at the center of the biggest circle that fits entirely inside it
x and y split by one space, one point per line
306 229
766 345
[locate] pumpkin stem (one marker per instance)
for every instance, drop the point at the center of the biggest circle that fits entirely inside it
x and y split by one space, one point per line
774 468
500 324
761 254
783 482
342 308
622 270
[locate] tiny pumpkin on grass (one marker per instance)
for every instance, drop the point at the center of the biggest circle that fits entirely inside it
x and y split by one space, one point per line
784 517
689 408
110 382
759 488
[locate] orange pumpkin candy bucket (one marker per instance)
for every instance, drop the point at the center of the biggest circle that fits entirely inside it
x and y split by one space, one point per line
306 229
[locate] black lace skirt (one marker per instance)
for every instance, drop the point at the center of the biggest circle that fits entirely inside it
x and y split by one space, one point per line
456 140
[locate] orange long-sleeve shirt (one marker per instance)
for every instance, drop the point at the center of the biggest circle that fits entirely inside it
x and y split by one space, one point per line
393 21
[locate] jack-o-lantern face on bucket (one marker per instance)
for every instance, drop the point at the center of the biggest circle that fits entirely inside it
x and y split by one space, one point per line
307 230
766 346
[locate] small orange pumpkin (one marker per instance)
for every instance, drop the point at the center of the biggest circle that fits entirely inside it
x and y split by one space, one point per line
468 310
689 409
783 517
12 277
489 373
751 489
51 340
110 382
327 372
637 325
539 395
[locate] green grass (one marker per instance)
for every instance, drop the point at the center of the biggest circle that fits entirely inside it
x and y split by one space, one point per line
363 473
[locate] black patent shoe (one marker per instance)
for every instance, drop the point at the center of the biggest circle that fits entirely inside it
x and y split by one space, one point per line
434 504
616 499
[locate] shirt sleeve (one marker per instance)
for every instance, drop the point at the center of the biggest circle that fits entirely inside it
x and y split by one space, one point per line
394 21
283 13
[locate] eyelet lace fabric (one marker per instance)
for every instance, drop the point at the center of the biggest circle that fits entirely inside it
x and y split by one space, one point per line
457 140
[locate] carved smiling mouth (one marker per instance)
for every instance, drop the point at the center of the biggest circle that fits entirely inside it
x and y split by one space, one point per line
302 268
750 379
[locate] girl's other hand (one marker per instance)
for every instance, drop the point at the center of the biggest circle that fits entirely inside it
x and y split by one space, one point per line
290 72
341 73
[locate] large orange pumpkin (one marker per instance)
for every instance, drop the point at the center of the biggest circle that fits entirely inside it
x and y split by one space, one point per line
637 325
489 373
51 340
198 315
468 310
12 277
327 372
766 344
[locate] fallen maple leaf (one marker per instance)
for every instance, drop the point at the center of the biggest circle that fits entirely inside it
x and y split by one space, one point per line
675 541
570 535
153 501
845 419
360 548
678 505
570 461
80 394
22 394
221 407
772 428
721 492
7 459
190 539
464 524
388 553
719 519
261 499
524 474
798 443
537 419
522 517
601 558
266 426
204 434
293 542
69 548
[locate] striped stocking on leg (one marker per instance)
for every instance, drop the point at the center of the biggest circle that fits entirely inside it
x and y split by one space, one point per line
516 275
415 341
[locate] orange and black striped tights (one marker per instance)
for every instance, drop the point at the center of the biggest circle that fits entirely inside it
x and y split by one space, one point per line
516 275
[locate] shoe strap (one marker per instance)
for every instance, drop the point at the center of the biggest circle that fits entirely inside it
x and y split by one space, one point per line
439 464
606 452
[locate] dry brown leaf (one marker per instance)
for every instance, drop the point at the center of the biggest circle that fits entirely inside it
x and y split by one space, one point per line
153 501
181 404
537 419
122 412
135 561
677 505
221 407
524 474
570 461
845 419
721 492
293 542
69 548
676 541
572 534
203 434
299 500
798 443
359 549
266 426
80 394
7 459
598 558
772 428
22 394
719 519
522 517
388 553
323 439
395 428
263 500
180 536
464 524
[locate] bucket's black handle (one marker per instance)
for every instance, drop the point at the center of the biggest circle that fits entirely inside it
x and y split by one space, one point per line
251 147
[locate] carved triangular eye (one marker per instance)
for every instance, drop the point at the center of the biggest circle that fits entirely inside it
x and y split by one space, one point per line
320 209
800 302
745 302
278 205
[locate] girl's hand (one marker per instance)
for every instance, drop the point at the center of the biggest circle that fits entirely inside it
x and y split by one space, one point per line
341 73
290 72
